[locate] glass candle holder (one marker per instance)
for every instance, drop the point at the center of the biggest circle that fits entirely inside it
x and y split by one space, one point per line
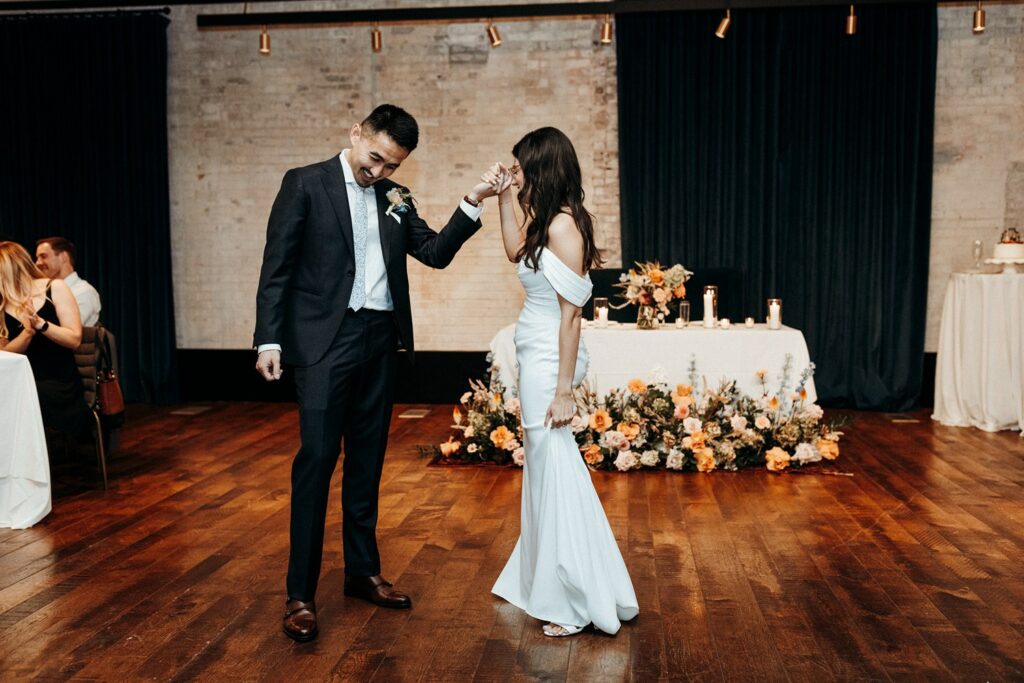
774 314
684 314
710 305
749 322
976 252
601 311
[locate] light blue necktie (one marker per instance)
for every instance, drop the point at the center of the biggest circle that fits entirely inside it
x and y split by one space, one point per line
359 228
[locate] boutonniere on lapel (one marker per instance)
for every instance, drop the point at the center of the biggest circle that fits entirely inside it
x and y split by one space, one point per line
398 201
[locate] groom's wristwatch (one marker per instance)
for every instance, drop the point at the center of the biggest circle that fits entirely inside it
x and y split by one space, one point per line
470 201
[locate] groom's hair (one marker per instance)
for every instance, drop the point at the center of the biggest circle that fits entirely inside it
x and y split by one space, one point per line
396 123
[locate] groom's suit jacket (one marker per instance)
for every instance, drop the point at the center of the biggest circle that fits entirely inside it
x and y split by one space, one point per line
309 260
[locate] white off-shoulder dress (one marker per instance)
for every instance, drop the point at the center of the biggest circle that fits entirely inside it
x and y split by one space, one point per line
566 567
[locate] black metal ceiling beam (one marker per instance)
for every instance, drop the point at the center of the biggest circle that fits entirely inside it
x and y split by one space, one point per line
424 14
496 12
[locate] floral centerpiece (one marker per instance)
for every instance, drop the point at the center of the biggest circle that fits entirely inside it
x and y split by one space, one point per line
651 424
652 288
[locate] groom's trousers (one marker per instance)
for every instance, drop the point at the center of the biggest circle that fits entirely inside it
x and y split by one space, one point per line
347 395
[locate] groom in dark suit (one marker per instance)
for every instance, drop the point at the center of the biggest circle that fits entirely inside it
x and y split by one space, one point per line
333 303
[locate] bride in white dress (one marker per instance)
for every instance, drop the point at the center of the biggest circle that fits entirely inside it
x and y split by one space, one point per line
566 568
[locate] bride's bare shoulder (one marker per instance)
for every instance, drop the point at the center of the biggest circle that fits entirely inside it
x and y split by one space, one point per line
566 242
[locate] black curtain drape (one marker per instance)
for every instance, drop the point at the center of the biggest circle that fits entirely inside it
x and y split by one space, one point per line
802 158
84 156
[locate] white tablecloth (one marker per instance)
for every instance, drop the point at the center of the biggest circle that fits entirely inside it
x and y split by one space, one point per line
979 378
24 465
620 353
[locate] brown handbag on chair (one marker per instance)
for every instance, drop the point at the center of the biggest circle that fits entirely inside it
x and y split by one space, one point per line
108 389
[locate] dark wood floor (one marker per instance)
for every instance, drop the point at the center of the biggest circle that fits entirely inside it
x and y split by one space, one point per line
912 568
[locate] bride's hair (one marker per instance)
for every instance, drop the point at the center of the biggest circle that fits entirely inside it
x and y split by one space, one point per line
551 180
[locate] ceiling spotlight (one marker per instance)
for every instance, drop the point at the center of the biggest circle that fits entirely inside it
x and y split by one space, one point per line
851 23
723 25
979 19
493 35
606 30
264 41
376 39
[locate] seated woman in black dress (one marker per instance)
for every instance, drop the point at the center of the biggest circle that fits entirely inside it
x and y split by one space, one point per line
41 320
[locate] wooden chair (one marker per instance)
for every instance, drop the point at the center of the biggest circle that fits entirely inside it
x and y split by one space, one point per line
87 356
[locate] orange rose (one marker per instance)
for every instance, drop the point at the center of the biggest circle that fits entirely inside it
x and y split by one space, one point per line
829 449
501 436
637 386
695 442
705 460
777 459
679 292
630 430
657 277
600 421
593 455
684 389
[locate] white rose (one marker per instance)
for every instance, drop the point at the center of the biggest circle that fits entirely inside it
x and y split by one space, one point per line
615 439
649 459
519 456
738 422
762 422
691 425
674 460
806 453
472 448
626 460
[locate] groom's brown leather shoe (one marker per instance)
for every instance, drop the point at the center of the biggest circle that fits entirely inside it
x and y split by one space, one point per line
376 590
300 620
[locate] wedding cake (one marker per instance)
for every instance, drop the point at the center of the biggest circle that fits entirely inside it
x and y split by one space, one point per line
1010 246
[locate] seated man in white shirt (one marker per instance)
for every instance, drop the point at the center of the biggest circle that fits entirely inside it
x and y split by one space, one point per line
55 256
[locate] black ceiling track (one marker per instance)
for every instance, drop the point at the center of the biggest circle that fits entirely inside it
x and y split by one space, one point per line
432 14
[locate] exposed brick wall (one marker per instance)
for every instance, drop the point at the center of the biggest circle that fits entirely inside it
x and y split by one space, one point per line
239 120
979 142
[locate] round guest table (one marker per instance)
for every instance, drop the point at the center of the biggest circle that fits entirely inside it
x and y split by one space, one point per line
24 465
979 376
619 353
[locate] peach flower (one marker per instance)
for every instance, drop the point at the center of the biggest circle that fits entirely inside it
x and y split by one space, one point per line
600 421
829 449
777 459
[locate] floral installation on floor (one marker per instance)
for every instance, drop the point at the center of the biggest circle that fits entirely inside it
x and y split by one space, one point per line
652 424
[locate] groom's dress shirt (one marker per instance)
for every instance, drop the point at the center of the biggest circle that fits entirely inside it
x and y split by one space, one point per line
378 296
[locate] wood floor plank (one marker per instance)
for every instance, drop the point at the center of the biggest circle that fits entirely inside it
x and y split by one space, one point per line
911 568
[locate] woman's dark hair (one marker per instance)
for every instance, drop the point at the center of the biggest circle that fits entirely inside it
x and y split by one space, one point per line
551 180
396 123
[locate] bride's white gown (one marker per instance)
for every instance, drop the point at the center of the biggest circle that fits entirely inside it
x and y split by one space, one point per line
566 567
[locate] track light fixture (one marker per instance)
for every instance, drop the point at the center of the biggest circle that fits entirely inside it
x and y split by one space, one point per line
606 30
851 23
493 35
723 25
264 41
376 40
979 19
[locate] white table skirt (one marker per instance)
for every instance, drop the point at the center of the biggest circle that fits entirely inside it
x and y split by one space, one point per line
24 464
979 376
621 353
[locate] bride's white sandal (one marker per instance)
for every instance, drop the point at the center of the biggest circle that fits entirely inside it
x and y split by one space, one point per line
561 630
